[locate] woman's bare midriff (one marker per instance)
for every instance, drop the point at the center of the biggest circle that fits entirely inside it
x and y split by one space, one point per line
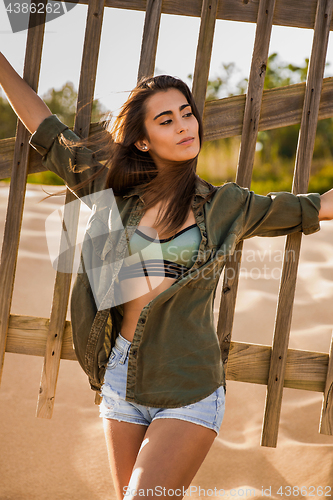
144 289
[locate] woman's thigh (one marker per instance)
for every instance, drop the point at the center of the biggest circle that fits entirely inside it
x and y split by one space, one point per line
174 446
170 455
123 441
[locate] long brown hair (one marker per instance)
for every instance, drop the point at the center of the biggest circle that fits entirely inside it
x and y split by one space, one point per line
129 167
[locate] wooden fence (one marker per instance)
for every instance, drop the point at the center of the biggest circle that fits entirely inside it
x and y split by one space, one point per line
275 366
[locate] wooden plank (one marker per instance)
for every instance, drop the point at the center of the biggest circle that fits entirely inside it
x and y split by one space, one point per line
326 420
280 342
245 164
150 38
298 13
51 364
254 93
293 243
305 370
227 305
248 363
88 72
7 147
202 63
204 52
281 107
28 335
52 353
35 161
222 118
13 223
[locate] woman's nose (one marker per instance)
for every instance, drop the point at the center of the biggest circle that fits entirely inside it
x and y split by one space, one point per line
180 126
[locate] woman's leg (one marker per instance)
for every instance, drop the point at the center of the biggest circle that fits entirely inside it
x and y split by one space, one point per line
170 456
123 441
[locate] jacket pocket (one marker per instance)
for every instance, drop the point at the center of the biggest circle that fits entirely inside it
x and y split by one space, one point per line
100 237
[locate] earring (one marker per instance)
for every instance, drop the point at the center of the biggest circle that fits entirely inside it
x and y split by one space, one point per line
144 148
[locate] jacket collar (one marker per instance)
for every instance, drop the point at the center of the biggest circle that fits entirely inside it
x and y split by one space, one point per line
200 190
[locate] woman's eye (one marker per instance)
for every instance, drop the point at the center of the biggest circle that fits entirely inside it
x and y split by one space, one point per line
166 122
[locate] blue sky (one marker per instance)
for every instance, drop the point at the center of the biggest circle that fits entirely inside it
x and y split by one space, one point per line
120 49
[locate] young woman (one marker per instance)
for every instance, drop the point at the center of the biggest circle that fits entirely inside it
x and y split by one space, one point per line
154 249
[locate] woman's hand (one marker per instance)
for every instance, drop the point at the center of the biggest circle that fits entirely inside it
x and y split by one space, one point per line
30 108
326 209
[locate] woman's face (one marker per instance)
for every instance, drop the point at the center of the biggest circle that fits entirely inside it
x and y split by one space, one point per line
172 129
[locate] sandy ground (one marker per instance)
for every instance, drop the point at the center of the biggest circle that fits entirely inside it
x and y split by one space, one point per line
66 458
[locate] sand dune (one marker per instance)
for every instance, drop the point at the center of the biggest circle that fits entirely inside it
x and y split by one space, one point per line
66 458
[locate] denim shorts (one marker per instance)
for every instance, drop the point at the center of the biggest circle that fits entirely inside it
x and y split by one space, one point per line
207 412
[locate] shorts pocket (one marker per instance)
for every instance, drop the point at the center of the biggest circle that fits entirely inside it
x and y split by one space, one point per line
114 359
220 396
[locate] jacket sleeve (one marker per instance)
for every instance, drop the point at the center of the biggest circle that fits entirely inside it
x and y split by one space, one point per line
279 214
72 164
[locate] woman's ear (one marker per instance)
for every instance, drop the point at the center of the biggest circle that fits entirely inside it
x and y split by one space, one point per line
141 145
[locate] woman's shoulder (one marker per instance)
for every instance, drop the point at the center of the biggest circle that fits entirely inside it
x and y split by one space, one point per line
230 189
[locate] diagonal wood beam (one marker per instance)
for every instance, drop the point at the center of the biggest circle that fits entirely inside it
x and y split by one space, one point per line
293 243
33 56
223 118
250 126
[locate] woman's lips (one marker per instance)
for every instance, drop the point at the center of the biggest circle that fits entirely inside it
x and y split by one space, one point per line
187 140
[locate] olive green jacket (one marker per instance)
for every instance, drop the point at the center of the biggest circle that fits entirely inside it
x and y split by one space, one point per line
175 358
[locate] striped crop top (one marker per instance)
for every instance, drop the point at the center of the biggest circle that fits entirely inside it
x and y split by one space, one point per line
169 257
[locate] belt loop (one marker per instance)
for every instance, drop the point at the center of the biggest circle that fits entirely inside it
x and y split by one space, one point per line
124 355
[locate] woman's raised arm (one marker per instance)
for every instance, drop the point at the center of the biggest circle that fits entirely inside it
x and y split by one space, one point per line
28 106
326 209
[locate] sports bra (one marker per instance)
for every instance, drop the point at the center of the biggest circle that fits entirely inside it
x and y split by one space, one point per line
169 257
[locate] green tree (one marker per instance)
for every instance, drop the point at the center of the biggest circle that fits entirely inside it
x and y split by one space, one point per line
279 74
225 85
280 143
276 149
62 103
